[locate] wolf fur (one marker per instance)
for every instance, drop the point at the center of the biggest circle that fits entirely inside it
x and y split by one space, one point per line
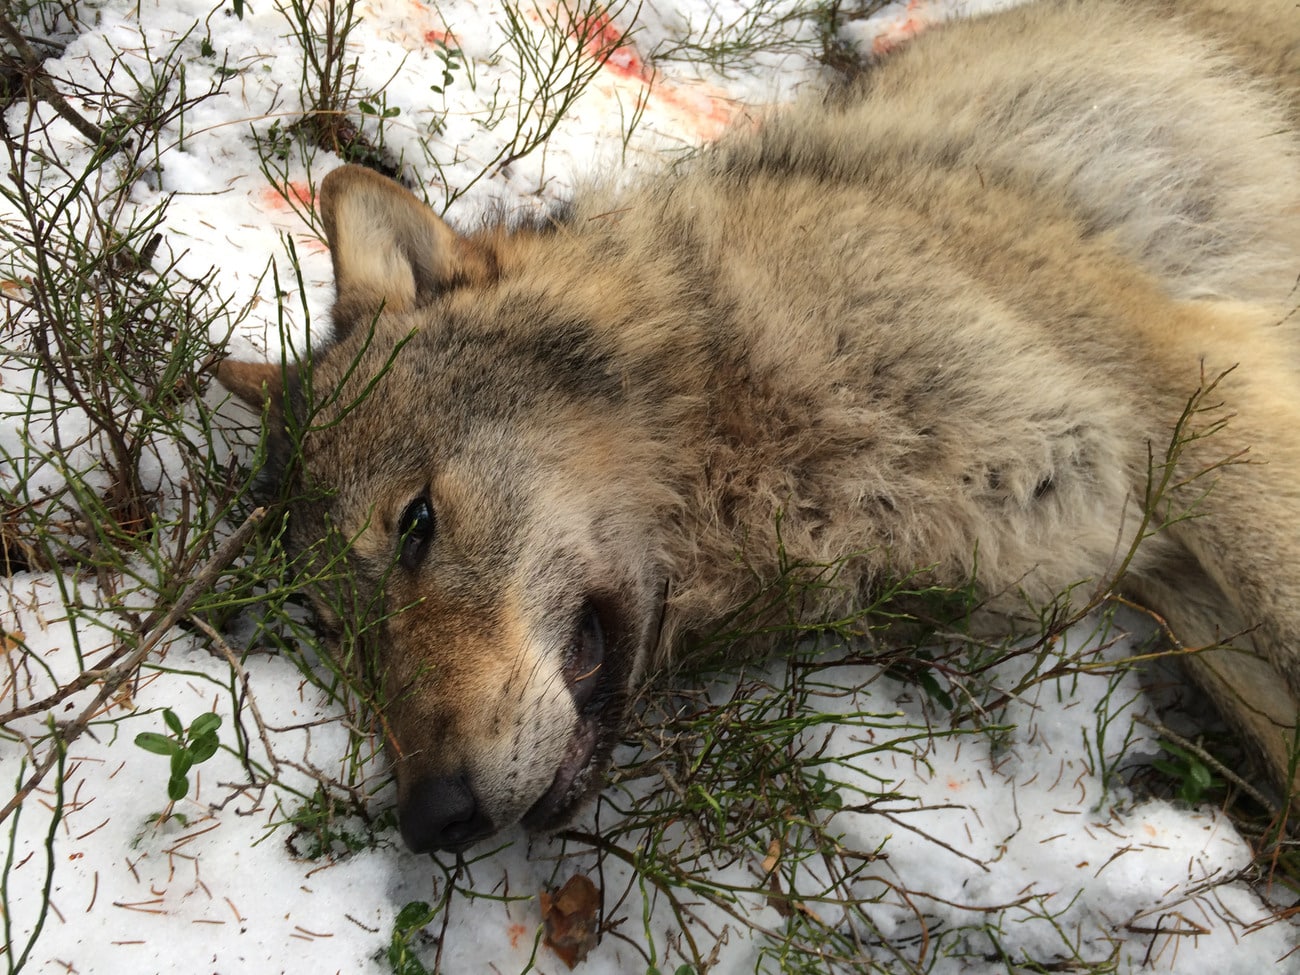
948 322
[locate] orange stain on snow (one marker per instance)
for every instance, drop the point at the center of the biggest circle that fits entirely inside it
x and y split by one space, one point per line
916 20
274 198
706 112
421 12
514 933
600 40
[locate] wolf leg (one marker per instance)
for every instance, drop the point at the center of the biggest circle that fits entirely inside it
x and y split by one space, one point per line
1242 682
1233 509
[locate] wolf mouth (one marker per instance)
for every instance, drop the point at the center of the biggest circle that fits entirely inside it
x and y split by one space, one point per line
571 783
594 678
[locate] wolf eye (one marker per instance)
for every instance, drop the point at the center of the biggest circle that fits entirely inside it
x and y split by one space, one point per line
416 532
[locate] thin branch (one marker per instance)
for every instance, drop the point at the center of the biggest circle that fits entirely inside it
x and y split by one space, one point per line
116 677
233 659
43 84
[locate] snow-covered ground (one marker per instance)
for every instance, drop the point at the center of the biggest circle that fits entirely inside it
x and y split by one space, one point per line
995 849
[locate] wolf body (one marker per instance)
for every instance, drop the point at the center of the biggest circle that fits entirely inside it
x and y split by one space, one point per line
955 321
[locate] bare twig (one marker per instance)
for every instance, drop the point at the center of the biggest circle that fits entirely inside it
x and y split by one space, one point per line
238 668
43 84
118 675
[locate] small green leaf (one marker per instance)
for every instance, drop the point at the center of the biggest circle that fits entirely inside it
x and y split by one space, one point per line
1199 774
1168 768
204 748
1177 752
931 686
177 787
158 744
205 724
414 915
1196 780
173 722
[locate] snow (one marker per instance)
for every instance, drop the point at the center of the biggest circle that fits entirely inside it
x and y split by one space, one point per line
992 848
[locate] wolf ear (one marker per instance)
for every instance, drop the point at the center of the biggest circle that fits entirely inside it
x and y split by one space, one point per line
259 384
389 249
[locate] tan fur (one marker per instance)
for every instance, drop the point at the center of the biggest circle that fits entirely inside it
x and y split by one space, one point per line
940 323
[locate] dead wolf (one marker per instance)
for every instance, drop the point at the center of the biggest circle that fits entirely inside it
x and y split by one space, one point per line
949 321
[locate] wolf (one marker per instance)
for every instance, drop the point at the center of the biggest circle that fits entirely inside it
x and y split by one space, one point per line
1019 299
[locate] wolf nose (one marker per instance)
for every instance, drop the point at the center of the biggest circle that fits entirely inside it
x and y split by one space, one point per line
441 813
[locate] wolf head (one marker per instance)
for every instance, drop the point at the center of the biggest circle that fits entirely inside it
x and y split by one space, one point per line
469 450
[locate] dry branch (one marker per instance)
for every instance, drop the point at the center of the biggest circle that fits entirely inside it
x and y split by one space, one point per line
118 675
